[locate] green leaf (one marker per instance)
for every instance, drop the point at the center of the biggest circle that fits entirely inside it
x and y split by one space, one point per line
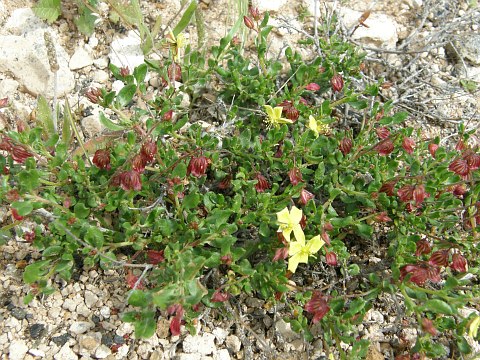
145 327
29 179
137 298
186 17
29 297
86 21
94 237
35 271
139 73
23 207
81 211
54 250
45 116
191 201
364 230
106 261
48 10
67 121
180 170
438 306
166 296
125 95
355 307
109 124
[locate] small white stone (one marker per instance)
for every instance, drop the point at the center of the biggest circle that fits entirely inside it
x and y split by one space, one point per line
122 351
127 51
102 352
8 87
117 85
269 5
36 352
17 350
65 353
222 354
233 343
70 305
204 344
83 310
93 41
90 298
101 76
92 126
105 312
220 335
80 59
285 330
80 327
101 63
124 329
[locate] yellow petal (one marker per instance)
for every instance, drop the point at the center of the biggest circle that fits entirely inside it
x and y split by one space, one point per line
312 125
269 111
295 260
283 216
295 247
278 112
473 328
315 244
296 215
298 232
286 233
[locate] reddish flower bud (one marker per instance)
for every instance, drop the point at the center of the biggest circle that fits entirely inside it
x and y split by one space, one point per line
313 87
226 259
219 296
279 152
94 95
459 190
295 176
175 309
174 72
405 193
303 222
429 327
382 217
148 150
303 101
384 147
12 195
20 153
328 226
262 183
305 197
175 324
420 273
155 256
6 143
198 166
139 163
236 41
16 216
382 132
248 22
439 258
331 258
337 82
345 145
29 236
317 306
21 126
225 183
124 71
459 167
254 13
419 194
408 145
280 254
460 145
101 159
388 187
459 263
130 180
132 281
423 247
291 113
472 159
3 103
432 148
325 237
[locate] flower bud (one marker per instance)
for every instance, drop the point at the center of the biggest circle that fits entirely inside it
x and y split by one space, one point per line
219 296
419 194
382 132
337 82
174 72
384 147
139 163
382 217
20 153
254 13
472 159
459 167
130 180
312 87
388 187
405 193
459 263
408 144
439 258
198 166
155 256
248 22
225 183
168 115
3 103
226 259
101 159
280 254
305 197
262 183
429 327
291 113
423 247
432 148
148 150
345 145
295 176
16 216
124 71
331 258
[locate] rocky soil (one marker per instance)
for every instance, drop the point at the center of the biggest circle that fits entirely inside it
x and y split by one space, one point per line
427 50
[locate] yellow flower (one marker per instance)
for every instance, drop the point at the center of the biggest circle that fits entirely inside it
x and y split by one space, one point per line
274 117
299 251
176 43
290 221
318 127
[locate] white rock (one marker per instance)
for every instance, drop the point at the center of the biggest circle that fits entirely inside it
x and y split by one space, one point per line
90 298
101 63
80 327
92 126
36 352
105 312
222 354
88 343
117 85
124 329
80 59
414 4
93 41
269 5
83 310
233 343
101 76
204 344
375 316
8 87
381 31
17 350
122 352
220 334
23 21
285 330
70 305
65 353
102 352
126 51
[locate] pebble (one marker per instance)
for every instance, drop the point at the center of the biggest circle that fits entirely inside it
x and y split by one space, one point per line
18 313
222 354
102 352
37 352
89 343
233 343
90 298
17 350
285 330
65 353
37 331
80 327
203 344
80 59
220 335
61 340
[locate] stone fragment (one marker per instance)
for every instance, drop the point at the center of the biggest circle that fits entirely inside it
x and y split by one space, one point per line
101 63
90 298
92 126
37 352
285 330
89 343
18 313
222 354
65 353
37 331
102 352
80 59
220 335
8 87
163 328
126 51
204 344
17 350
61 340
233 343
80 327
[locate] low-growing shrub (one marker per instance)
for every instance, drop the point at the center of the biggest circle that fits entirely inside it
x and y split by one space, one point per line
301 168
